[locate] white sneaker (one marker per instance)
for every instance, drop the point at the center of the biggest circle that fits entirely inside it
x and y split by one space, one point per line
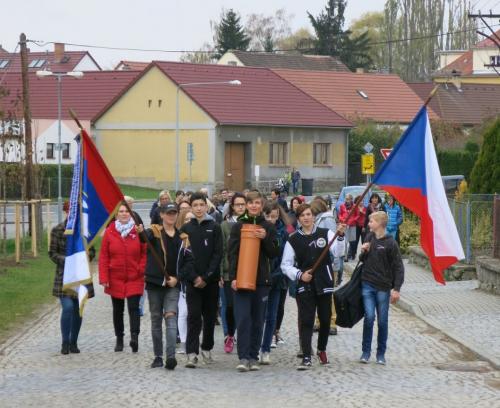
265 358
192 361
243 366
181 349
207 357
273 342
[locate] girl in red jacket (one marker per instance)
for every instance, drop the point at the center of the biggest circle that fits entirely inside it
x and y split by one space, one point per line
351 224
122 261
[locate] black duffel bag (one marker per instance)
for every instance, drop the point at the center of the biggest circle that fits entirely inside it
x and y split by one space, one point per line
349 300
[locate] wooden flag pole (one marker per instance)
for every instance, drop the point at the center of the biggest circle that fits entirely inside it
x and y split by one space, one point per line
360 199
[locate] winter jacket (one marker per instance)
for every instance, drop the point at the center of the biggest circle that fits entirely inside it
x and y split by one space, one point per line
395 217
205 238
302 251
326 220
344 212
121 263
382 264
278 279
226 232
360 222
269 248
57 254
154 275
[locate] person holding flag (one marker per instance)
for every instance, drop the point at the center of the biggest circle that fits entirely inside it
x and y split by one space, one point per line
71 320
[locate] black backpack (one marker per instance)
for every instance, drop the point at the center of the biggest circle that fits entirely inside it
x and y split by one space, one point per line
349 300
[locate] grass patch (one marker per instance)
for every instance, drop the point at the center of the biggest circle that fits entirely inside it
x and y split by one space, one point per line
24 288
139 193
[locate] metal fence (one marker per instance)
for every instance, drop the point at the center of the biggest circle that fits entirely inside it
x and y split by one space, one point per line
474 217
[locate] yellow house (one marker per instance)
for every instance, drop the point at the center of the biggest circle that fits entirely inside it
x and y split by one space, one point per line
479 65
238 127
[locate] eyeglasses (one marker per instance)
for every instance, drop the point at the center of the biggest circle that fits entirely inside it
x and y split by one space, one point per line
239 205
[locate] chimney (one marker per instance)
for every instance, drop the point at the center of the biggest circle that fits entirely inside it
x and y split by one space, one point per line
360 71
58 52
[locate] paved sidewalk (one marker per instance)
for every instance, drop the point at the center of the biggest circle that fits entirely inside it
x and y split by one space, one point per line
425 369
458 309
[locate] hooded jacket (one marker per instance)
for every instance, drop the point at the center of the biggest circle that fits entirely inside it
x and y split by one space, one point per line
205 238
269 248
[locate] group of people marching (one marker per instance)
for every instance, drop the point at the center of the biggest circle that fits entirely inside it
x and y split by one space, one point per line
187 261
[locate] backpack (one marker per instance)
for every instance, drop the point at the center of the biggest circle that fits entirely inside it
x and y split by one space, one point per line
348 300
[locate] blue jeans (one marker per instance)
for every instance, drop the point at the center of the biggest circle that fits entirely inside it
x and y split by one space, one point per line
295 186
70 319
271 314
374 299
223 310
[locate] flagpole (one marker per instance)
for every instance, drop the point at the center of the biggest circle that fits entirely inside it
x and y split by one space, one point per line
360 199
142 234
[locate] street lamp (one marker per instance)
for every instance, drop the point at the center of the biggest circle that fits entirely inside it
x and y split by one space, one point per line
59 76
233 82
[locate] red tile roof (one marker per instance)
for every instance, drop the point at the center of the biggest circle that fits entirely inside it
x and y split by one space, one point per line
131 65
487 42
68 63
470 105
86 96
388 99
462 65
263 98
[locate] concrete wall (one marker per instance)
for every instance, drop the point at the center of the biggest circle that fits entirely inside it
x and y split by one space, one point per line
300 153
488 273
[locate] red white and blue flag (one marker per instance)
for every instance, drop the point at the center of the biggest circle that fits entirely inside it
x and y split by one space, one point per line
411 174
95 198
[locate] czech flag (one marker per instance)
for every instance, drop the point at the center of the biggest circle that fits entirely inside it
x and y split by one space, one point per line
95 198
411 174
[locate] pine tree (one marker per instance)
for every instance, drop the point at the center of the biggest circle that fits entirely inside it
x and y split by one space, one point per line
229 34
485 176
332 39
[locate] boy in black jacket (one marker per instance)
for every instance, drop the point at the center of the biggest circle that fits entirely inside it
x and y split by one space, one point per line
250 306
202 288
381 279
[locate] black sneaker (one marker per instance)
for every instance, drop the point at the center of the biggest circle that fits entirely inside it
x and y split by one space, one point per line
65 348
73 348
171 363
305 365
157 362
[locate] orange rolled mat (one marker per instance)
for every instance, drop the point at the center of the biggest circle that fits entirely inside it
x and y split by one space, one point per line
248 260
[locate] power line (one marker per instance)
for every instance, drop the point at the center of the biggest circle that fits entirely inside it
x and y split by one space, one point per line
399 40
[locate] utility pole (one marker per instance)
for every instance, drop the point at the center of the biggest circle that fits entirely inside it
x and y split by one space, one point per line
28 140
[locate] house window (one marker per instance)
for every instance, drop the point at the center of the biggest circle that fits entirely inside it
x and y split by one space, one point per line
3 63
37 63
65 150
278 153
321 153
50 150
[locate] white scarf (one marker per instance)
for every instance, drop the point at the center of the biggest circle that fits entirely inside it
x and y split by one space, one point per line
124 229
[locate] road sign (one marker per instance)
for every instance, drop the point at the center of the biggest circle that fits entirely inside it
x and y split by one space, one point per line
385 153
368 163
368 147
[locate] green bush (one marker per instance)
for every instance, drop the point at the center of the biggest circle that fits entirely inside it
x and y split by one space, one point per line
409 234
485 176
456 162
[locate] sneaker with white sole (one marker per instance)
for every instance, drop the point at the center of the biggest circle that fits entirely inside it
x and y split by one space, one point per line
273 342
265 358
254 365
207 357
181 349
243 366
365 358
279 340
192 361
381 360
306 364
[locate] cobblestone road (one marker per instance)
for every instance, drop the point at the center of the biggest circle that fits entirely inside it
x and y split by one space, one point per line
425 369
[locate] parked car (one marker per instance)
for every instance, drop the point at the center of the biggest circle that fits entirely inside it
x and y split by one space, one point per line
451 183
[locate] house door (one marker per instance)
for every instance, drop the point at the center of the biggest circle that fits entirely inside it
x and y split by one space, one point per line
234 166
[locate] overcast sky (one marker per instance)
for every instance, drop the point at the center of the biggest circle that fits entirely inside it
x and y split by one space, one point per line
151 24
